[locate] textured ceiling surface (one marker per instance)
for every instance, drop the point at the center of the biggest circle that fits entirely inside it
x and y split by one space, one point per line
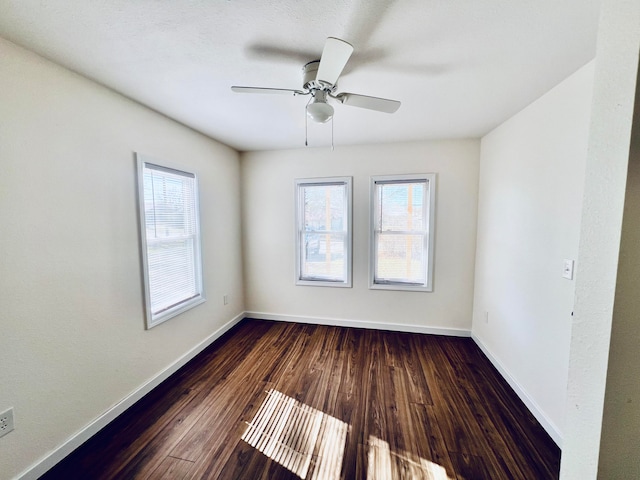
459 67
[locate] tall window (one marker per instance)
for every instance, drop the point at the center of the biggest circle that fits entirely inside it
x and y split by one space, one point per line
170 233
402 221
323 231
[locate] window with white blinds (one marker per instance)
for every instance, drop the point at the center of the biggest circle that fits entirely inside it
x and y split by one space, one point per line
402 221
170 233
323 231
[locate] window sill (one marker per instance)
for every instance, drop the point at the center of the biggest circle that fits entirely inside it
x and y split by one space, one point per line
323 283
400 287
164 316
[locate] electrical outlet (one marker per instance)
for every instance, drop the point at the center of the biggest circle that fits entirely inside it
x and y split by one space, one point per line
486 317
225 299
6 422
567 269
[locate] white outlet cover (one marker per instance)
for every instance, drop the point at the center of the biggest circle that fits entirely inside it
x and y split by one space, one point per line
567 269
6 422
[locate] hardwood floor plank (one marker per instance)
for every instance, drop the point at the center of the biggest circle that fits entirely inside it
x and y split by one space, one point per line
513 420
375 418
170 467
215 454
429 443
222 410
469 467
346 406
123 440
418 388
449 405
353 348
282 400
243 462
282 340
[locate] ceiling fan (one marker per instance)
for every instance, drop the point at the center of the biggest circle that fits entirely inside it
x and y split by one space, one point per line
319 79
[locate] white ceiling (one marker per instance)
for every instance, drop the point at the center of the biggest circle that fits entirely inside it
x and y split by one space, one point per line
459 67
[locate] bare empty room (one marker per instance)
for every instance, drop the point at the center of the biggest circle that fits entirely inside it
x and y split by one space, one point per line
342 239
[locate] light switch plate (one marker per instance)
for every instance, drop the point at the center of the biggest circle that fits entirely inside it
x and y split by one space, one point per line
567 269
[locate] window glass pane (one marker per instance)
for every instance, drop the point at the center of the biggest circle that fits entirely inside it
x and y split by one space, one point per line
172 276
324 207
400 206
401 237
173 279
323 232
169 206
324 256
400 258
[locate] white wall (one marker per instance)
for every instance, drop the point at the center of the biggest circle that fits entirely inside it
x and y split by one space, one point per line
72 338
621 419
614 91
268 225
531 181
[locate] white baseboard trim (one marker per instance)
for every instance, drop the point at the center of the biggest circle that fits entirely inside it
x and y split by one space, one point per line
533 407
51 459
341 322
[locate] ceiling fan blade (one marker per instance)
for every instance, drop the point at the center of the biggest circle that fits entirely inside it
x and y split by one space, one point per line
280 91
335 56
372 103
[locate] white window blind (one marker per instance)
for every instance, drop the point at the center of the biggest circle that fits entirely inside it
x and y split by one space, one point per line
323 232
402 232
171 237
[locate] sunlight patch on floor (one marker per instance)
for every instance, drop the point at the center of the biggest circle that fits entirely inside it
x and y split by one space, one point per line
383 464
305 441
310 444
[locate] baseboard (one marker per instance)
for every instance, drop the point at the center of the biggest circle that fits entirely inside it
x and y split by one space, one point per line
341 322
533 407
49 461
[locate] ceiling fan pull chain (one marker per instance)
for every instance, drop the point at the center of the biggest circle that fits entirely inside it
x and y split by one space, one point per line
332 134
306 122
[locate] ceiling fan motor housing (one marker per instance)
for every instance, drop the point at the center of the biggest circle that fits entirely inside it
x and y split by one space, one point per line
309 80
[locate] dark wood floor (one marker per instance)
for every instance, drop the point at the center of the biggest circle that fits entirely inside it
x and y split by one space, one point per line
274 400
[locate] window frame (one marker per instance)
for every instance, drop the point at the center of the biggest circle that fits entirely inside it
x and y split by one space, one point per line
153 319
299 210
428 250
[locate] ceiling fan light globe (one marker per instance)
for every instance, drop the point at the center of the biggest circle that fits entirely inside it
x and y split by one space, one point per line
320 112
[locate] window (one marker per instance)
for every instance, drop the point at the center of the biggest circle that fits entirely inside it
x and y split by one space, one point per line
323 232
402 220
170 234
